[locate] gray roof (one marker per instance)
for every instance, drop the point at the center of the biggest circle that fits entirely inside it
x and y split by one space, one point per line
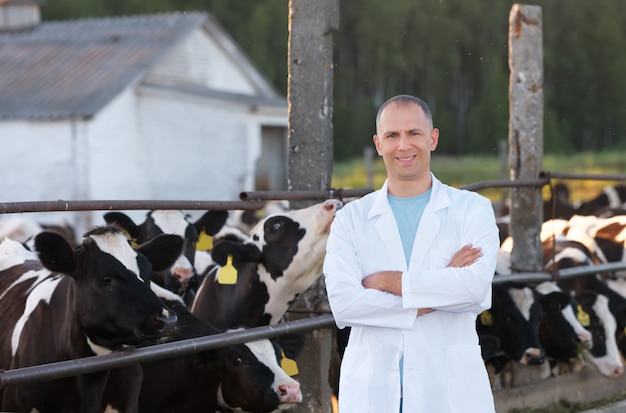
71 69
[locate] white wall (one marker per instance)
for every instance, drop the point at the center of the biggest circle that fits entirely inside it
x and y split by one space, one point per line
200 149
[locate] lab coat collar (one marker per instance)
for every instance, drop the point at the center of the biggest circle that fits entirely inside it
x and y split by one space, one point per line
438 198
386 226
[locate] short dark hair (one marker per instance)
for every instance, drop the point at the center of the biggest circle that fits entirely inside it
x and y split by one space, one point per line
405 99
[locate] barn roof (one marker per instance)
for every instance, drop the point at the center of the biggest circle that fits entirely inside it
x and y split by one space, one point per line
72 69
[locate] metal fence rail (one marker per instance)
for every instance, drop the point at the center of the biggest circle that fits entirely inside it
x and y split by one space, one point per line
75 367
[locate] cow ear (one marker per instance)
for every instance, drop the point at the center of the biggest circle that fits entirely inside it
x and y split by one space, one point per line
162 251
292 344
211 222
124 221
239 251
554 301
587 298
55 253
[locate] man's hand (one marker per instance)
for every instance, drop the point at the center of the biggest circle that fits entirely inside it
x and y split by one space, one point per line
467 255
389 281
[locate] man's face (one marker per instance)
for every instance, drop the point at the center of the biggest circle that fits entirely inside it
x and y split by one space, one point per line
405 139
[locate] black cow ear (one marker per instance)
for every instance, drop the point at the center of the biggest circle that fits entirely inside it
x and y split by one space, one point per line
291 343
124 221
554 301
55 253
587 298
162 251
239 252
211 222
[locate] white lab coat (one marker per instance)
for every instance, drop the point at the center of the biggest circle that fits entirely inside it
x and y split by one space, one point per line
443 368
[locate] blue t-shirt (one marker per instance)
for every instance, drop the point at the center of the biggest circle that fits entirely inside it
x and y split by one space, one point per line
408 212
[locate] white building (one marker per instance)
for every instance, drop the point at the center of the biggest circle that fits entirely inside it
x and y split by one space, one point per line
158 107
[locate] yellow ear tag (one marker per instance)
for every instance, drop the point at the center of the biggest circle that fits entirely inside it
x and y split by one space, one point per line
205 242
486 318
583 318
133 243
288 365
228 273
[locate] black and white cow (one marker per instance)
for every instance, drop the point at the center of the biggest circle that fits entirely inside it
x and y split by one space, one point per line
514 319
612 196
559 253
592 309
240 377
182 277
74 303
560 332
281 259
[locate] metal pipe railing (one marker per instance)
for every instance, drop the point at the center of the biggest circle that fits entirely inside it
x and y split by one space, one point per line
61 205
538 277
62 369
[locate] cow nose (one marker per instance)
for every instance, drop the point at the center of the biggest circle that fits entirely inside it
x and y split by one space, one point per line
617 372
333 205
182 274
166 322
586 339
533 357
290 392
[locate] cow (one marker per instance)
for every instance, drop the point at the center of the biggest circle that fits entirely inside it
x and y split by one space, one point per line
589 304
73 303
514 319
24 230
612 196
182 277
282 258
238 376
560 332
592 309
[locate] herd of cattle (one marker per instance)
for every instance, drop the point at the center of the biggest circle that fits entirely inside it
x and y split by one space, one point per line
570 323
128 284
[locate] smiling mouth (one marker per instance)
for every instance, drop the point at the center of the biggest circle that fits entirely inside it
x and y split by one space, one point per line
405 158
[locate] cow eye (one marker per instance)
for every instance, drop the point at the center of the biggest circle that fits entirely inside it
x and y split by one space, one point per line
237 361
106 279
275 227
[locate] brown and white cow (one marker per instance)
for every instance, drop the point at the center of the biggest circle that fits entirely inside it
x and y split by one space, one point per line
280 260
73 303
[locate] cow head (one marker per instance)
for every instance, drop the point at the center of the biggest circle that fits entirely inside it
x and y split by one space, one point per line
252 379
181 276
514 319
295 239
604 355
110 291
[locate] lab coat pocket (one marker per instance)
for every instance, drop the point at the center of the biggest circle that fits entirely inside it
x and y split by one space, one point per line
355 379
468 383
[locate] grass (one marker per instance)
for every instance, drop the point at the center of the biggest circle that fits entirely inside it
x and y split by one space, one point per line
463 170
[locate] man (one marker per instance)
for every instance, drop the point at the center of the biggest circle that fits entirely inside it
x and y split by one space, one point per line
409 267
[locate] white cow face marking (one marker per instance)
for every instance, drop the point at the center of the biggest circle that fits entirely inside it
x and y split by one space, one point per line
117 245
171 221
523 299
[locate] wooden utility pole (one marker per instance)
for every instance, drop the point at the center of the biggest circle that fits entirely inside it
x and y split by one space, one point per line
310 161
526 134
